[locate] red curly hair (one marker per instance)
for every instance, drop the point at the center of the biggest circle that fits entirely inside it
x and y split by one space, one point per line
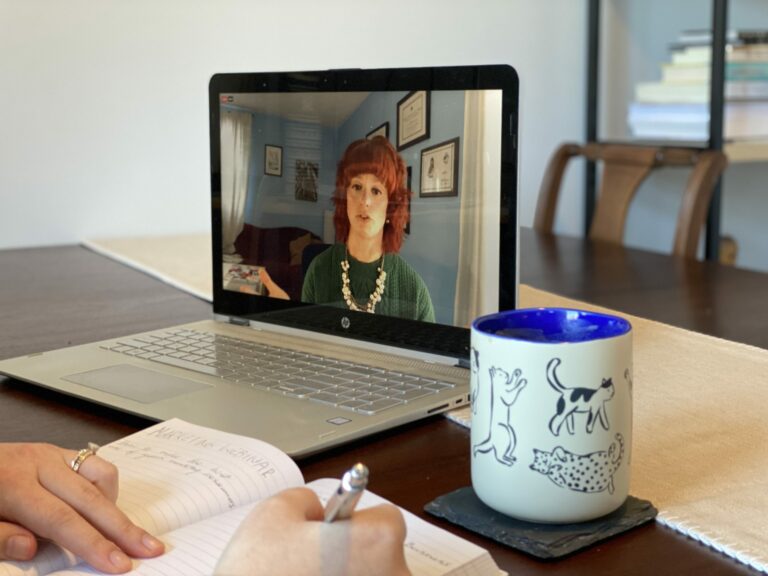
378 157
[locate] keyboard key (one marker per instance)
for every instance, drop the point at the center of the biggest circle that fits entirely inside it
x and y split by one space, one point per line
132 342
288 390
330 370
179 363
415 394
324 398
358 370
401 388
379 405
322 379
319 386
370 397
438 386
353 404
121 348
291 381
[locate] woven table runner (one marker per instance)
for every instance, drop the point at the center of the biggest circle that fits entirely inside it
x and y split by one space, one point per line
185 262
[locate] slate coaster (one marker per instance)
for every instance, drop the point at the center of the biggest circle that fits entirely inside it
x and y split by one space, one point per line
544 541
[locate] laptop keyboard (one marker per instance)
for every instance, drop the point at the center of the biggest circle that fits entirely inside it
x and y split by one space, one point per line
315 378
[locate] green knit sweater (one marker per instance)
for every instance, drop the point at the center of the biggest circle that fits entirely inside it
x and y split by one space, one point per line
405 294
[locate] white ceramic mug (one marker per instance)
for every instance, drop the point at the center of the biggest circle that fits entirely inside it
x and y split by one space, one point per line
551 396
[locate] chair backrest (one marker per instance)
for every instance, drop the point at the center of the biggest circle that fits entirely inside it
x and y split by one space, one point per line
625 166
308 254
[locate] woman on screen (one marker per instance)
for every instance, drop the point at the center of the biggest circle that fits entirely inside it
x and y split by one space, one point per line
363 270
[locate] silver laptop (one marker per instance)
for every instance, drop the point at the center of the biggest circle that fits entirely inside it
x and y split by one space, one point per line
361 220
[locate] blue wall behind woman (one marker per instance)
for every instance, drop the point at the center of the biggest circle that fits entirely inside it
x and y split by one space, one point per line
271 199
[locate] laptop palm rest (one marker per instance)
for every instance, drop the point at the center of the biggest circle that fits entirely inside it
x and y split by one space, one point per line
134 383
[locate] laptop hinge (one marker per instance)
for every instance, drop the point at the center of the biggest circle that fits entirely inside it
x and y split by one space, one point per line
238 321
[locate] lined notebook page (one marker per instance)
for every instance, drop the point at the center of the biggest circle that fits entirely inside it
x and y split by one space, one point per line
176 473
191 550
194 550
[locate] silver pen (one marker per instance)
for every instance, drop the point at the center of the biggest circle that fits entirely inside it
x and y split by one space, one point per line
344 500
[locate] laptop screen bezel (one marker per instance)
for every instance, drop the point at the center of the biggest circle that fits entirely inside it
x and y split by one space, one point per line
342 322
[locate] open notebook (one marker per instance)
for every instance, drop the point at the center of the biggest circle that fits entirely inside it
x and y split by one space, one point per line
326 354
192 486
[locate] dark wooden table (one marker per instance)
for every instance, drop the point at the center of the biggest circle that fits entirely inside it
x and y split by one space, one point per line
53 297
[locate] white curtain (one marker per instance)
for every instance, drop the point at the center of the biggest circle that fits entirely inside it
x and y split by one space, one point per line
477 280
235 159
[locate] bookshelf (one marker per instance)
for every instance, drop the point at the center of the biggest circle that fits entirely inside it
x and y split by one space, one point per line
711 136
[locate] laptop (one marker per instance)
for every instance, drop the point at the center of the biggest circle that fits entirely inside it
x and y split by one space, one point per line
360 220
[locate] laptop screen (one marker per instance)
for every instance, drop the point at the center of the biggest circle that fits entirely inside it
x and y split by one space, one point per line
376 204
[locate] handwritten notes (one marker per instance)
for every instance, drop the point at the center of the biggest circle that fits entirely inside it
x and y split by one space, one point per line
176 473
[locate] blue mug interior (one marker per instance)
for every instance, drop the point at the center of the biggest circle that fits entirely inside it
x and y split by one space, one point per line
552 325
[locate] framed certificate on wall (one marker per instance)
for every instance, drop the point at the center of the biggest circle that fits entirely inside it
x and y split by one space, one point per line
440 169
412 119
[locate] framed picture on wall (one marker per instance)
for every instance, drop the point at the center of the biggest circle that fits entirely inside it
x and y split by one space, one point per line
382 130
440 169
273 160
412 119
307 174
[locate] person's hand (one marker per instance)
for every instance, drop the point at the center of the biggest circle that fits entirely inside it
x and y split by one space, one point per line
274 290
247 289
286 534
41 496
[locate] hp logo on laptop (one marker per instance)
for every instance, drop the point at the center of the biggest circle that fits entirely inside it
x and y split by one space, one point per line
345 322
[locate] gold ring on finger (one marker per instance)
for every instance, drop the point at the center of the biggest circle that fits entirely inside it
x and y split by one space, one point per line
83 455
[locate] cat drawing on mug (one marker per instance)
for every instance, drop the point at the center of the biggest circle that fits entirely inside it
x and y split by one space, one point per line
504 390
580 473
578 400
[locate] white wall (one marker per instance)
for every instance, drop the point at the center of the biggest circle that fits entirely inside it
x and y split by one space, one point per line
103 104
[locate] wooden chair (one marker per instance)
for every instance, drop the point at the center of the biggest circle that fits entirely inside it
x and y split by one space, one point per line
625 166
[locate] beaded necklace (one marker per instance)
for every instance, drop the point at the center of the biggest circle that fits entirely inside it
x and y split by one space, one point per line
375 296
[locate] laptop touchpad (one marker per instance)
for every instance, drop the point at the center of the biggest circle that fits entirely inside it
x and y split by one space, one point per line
134 383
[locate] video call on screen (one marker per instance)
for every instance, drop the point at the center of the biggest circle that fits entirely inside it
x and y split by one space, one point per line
279 158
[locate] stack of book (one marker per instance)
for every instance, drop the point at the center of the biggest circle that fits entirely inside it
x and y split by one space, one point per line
677 107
